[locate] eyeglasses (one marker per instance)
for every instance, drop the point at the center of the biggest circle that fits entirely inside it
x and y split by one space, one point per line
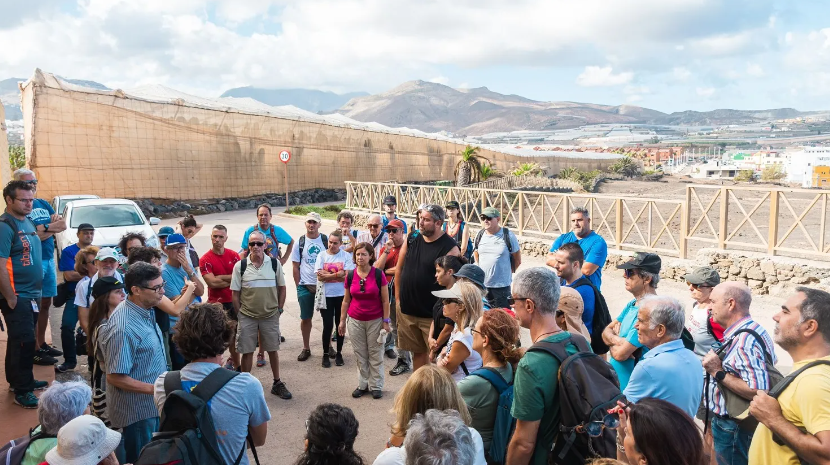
160 287
630 273
698 286
373 226
452 301
485 218
363 285
393 230
25 200
473 330
32 182
256 244
610 421
512 300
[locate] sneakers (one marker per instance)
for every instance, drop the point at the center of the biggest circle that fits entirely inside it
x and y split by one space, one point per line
42 357
63 368
52 351
390 354
304 355
377 394
282 338
326 361
338 360
27 400
332 352
38 386
357 393
401 368
260 360
279 390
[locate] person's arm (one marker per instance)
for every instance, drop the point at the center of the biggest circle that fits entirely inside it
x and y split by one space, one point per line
288 249
458 353
178 305
520 449
619 348
517 260
216 282
72 276
235 300
589 268
344 312
6 287
83 318
444 335
380 263
811 448
296 272
465 238
713 364
454 252
595 258
517 255
126 383
258 434
398 268
56 225
281 296
384 300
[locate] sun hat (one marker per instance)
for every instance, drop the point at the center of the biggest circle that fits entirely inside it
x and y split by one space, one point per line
165 231
643 261
394 224
390 200
703 276
452 293
472 272
491 212
83 440
108 252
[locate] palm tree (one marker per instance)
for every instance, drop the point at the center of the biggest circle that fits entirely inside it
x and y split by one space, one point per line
487 171
468 168
528 169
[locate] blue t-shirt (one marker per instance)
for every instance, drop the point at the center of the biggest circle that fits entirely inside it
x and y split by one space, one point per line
174 279
594 249
271 247
494 258
42 214
24 254
588 306
387 220
627 319
67 261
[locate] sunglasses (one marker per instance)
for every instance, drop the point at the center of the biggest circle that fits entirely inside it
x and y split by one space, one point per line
512 300
256 244
32 182
698 286
363 285
393 230
630 273
452 301
610 421
485 218
373 226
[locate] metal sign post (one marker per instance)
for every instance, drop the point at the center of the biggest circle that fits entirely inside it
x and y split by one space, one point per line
285 156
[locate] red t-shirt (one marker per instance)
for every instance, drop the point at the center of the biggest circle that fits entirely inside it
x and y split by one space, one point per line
219 265
392 259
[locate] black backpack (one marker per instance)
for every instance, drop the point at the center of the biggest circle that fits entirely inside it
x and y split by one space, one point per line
378 278
587 388
187 435
13 452
325 243
244 265
601 319
506 237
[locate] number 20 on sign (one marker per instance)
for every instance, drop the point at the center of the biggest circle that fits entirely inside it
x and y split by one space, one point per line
285 156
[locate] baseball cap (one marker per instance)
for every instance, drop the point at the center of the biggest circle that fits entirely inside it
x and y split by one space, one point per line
105 284
390 200
704 275
452 293
472 272
644 261
83 440
86 227
570 301
313 216
394 224
108 252
453 204
165 231
492 212
437 211
175 239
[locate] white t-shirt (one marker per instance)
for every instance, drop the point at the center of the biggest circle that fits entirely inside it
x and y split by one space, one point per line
698 325
397 455
311 249
83 293
473 361
332 263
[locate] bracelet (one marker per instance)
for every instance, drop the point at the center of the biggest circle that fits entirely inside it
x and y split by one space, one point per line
387 320
620 446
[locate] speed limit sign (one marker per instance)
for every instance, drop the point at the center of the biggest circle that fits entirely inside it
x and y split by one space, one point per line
285 155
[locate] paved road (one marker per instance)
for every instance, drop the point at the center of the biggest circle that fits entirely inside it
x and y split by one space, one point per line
309 382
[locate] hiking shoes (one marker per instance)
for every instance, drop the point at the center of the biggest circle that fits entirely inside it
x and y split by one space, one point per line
52 351
63 368
260 360
326 361
27 400
401 368
390 354
357 393
40 385
279 390
338 360
377 394
304 355
42 357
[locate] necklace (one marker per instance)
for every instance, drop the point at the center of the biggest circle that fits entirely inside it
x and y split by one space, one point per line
544 334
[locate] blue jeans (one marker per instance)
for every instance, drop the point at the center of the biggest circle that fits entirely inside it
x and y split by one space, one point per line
68 323
134 437
497 296
730 441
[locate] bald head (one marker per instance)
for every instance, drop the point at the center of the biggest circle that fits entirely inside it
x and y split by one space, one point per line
739 292
730 302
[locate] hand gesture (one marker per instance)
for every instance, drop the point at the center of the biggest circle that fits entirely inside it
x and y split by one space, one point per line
181 256
390 244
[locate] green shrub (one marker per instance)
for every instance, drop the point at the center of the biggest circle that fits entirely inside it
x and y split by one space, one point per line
773 173
328 212
745 176
17 157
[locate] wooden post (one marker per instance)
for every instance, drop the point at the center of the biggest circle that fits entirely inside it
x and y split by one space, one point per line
724 217
772 236
822 222
685 210
618 233
566 214
521 199
349 195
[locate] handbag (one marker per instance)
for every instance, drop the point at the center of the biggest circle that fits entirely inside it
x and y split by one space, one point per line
65 290
320 296
80 341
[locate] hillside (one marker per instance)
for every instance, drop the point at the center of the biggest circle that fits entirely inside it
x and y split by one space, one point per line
307 99
10 94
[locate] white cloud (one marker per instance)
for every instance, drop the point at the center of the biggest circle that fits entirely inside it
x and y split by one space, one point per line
595 76
681 74
705 92
754 70
440 80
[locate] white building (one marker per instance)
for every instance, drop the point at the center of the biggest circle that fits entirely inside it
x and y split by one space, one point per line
803 161
715 169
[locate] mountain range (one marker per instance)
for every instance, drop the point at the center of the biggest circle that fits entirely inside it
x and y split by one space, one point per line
10 94
307 99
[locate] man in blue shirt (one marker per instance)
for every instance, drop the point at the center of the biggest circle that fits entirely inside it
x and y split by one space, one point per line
593 245
48 224
669 371
274 236
568 265
176 272
69 320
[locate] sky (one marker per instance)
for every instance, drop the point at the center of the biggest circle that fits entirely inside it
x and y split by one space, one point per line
669 55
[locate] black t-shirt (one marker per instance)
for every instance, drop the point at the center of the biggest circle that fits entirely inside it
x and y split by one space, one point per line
417 279
439 321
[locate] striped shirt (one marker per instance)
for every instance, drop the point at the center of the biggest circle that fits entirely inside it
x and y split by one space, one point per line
133 346
745 359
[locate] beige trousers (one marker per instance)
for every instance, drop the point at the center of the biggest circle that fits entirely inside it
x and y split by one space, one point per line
367 351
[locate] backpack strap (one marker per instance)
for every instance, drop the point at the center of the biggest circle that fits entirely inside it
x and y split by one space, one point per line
172 382
785 383
354 233
379 279
478 239
494 377
212 383
556 349
758 338
464 369
506 237
242 267
349 279
302 246
325 241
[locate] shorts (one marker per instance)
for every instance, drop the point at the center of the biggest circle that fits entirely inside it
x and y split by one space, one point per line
228 306
50 279
267 330
413 333
306 300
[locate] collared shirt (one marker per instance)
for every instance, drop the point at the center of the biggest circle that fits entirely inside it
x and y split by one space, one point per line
669 372
377 242
133 346
745 359
627 319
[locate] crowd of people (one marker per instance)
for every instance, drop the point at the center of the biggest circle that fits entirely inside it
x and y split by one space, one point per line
446 304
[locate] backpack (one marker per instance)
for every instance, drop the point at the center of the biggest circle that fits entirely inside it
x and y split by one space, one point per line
468 254
378 279
325 243
587 388
505 423
13 452
244 265
277 246
187 435
601 319
506 237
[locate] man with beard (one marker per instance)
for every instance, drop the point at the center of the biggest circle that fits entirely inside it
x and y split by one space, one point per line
594 247
304 258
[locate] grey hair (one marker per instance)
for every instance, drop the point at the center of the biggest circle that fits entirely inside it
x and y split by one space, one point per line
257 231
61 403
738 292
581 210
667 311
816 306
655 277
439 438
19 173
372 217
541 285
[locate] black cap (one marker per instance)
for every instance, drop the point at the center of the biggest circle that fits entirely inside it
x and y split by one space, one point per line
453 204
390 200
472 272
643 261
104 285
86 227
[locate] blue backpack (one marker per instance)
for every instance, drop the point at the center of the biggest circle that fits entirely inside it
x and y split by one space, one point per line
505 423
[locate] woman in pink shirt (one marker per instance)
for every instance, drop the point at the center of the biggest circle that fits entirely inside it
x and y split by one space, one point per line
367 306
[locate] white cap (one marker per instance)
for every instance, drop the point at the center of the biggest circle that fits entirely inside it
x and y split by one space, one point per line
452 293
108 252
82 441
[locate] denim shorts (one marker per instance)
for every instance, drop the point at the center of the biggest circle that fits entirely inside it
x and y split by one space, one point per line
50 279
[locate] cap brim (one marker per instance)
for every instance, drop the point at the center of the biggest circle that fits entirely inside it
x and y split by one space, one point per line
692 279
108 446
446 294
627 266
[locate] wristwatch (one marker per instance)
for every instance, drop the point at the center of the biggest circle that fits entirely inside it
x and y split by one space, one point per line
719 376
45 227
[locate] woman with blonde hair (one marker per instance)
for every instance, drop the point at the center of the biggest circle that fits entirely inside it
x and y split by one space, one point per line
462 304
429 387
569 313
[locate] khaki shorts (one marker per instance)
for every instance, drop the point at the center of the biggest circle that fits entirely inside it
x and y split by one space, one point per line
413 333
267 330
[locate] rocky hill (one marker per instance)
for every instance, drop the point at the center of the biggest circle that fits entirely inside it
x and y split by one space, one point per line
307 99
10 94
